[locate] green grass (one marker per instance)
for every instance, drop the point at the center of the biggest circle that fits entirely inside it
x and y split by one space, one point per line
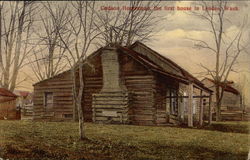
59 140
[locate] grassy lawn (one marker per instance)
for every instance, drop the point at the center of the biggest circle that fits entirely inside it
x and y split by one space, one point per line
59 140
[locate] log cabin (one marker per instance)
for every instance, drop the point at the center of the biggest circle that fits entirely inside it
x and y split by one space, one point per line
8 108
125 85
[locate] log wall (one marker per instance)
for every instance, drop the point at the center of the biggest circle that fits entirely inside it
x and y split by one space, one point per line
146 93
61 87
140 83
142 110
163 115
93 82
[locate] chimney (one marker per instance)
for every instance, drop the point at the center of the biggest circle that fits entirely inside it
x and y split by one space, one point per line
111 71
111 104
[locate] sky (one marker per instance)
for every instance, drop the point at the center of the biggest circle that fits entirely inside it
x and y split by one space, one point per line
171 38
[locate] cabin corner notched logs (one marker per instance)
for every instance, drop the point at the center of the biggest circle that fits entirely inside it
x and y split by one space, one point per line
126 86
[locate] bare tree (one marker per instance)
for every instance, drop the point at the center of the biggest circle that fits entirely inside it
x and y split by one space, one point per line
79 34
16 19
226 49
50 57
134 20
242 87
86 25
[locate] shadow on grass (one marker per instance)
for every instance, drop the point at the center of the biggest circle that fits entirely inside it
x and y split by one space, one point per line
197 153
107 150
221 127
232 127
224 127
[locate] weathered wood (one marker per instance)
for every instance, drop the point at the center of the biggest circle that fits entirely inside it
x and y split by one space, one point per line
55 84
61 88
210 110
202 96
201 110
8 108
144 102
190 105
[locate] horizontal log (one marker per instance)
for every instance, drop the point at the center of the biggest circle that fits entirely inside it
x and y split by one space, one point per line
92 90
58 85
38 103
145 112
143 122
120 110
139 77
161 121
55 93
142 118
139 87
63 112
66 87
96 102
142 80
99 114
62 102
143 92
186 97
160 116
113 98
62 90
110 106
92 87
142 106
111 94
51 81
93 82
58 108
57 82
116 119
62 99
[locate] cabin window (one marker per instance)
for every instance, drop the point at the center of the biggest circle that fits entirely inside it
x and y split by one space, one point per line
172 101
48 100
168 101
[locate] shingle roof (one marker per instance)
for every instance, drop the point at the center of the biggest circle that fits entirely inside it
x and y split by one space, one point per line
186 76
152 65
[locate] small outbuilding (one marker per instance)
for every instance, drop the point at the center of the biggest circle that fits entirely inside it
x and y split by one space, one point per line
25 103
8 108
231 107
125 85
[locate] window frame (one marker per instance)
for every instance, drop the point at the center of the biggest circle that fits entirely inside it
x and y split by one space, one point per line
172 103
45 101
